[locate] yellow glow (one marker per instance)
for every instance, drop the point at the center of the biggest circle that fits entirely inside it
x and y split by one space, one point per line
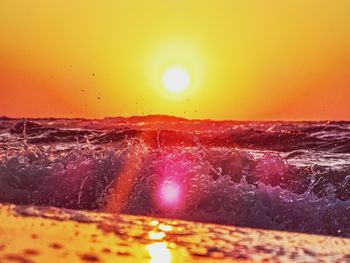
159 253
255 60
176 79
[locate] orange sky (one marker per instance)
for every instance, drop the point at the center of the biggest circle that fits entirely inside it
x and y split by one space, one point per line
254 59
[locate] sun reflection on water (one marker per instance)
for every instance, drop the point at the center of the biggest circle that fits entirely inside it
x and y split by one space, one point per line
165 228
154 223
159 252
153 235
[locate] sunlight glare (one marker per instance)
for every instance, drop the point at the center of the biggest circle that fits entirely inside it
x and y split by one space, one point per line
156 235
176 79
159 253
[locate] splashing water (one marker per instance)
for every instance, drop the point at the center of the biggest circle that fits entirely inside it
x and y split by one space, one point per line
275 175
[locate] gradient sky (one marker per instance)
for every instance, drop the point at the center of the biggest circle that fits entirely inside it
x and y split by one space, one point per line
248 59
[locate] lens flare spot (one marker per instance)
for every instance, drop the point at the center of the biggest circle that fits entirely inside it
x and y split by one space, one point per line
170 194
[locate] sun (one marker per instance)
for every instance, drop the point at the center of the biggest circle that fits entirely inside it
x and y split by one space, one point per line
176 79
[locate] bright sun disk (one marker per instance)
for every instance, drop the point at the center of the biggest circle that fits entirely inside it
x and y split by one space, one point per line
176 79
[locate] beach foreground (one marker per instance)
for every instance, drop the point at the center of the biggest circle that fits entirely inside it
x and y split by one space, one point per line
46 234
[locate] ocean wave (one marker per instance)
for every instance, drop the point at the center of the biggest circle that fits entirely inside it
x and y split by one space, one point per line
265 175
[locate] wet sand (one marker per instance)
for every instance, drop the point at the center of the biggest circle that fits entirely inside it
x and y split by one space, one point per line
39 234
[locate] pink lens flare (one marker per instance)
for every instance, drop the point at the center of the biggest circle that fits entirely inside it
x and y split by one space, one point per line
173 178
170 194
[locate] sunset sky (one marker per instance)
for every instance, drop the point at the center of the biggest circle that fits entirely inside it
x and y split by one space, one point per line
245 60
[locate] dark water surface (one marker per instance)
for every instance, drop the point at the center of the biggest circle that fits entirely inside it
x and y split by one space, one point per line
292 176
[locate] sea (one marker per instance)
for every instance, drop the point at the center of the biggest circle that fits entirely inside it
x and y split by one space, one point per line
289 176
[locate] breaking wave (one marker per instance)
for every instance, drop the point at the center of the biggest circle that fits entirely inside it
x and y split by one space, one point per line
274 175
